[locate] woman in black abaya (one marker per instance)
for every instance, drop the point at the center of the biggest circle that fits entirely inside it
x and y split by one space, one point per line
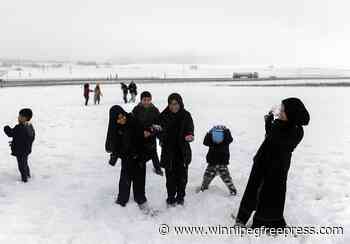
265 192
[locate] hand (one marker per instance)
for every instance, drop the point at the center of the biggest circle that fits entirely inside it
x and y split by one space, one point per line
268 116
157 128
189 138
147 134
113 159
7 129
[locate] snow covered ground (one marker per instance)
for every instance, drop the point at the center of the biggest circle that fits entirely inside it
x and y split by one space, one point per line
70 197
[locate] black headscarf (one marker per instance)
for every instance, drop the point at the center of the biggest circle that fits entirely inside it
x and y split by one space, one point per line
177 97
296 112
113 126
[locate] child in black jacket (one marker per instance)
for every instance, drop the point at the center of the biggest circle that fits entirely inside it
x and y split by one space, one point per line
218 140
23 135
125 140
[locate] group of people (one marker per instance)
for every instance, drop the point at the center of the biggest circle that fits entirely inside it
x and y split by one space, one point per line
97 93
132 89
131 137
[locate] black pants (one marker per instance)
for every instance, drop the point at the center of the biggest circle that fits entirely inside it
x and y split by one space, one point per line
176 180
86 100
153 155
23 167
155 160
132 172
97 99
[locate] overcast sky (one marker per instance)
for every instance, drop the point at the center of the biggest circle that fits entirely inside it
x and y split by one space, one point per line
240 32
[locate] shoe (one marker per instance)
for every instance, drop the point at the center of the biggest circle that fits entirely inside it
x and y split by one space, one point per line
144 207
200 189
159 172
171 202
180 201
123 204
233 192
239 224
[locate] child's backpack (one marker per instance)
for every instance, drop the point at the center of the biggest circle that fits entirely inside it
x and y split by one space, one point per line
217 134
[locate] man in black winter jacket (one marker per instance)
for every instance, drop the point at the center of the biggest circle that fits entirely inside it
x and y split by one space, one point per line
218 158
23 135
124 88
147 114
177 132
133 91
267 184
125 140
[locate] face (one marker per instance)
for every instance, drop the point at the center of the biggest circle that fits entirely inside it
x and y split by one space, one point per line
146 101
22 119
174 106
282 114
121 119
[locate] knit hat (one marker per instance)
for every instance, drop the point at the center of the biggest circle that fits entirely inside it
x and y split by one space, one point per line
145 94
27 113
177 98
296 111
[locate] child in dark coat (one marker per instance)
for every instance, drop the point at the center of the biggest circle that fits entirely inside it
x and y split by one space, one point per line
23 135
147 114
218 140
125 140
177 132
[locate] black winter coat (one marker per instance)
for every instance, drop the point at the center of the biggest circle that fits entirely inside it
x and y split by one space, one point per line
218 154
266 188
23 137
174 129
147 117
126 141
132 88
124 88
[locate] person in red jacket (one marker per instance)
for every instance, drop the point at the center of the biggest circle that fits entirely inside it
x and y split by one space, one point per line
87 91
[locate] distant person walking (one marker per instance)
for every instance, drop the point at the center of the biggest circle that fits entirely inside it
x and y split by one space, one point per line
97 94
87 91
125 90
133 91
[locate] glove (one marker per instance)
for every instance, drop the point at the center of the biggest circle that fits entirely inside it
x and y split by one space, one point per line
113 159
157 128
7 129
268 116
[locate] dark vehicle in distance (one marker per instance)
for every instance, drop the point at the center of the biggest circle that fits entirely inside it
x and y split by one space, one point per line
247 75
